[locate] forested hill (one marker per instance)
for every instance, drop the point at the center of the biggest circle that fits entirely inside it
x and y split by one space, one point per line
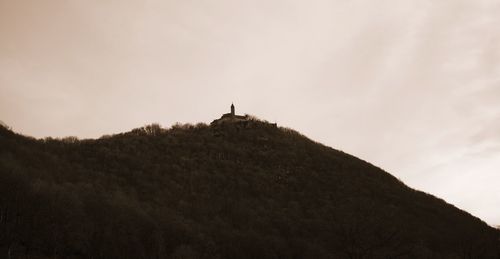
243 189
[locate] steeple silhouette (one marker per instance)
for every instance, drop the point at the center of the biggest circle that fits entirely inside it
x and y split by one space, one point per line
231 117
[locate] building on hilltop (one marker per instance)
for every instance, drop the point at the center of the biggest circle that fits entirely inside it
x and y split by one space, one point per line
231 117
241 120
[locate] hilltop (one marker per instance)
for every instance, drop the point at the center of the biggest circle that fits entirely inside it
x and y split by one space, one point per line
240 188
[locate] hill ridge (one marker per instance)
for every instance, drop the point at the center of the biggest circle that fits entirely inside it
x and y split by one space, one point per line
247 189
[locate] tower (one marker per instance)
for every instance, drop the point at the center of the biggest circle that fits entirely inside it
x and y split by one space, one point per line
232 109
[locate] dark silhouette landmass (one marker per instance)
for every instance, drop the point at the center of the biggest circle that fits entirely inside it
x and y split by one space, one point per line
241 188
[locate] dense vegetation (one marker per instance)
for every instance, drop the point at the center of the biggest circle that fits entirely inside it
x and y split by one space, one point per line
234 190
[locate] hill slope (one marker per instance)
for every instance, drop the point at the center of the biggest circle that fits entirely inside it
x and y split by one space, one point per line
232 190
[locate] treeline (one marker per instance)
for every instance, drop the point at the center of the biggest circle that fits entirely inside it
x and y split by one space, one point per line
236 190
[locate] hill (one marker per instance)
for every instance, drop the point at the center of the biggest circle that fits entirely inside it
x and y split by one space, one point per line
234 189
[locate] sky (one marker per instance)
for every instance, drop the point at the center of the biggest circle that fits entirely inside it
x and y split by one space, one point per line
412 86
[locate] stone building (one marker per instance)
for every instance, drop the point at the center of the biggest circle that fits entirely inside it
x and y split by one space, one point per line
231 117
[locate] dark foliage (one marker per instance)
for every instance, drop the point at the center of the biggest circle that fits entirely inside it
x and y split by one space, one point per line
234 190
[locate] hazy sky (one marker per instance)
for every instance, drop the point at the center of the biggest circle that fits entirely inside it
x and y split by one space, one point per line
412 86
